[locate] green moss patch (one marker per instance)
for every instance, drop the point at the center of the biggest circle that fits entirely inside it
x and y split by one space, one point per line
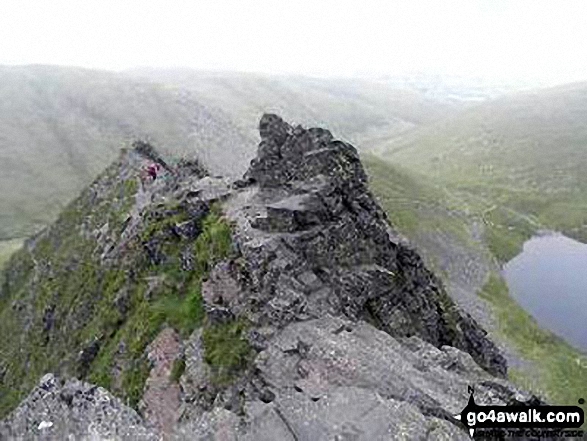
177 369
176 301
227 351
506 231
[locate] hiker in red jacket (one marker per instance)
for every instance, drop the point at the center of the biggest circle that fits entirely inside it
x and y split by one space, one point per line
150 171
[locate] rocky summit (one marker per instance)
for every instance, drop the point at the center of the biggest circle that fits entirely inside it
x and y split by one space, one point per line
281 306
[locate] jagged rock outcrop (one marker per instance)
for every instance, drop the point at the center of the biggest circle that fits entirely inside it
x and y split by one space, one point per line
320 323
315 242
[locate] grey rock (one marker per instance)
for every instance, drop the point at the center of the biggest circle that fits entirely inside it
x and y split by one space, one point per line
59 410
357 339
209 189
217 425
87 355
161 397
336 379
198 392
309 213
221 287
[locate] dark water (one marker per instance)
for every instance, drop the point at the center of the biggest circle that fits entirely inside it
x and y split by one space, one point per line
549 280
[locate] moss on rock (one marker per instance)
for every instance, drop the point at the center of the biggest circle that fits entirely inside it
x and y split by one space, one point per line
226 350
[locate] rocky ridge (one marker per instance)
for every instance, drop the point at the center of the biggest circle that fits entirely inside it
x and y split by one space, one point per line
336 328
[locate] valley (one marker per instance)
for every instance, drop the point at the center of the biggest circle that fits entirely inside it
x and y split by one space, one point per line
522 156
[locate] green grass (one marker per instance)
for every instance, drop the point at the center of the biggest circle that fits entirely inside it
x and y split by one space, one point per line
561 373
226 350
69 295
524 153
411 204
177 303
177 369
183 313
503 244
506 232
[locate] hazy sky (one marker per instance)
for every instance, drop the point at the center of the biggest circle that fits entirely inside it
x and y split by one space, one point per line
513 39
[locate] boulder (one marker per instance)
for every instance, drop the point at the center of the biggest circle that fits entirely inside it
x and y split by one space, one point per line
59 409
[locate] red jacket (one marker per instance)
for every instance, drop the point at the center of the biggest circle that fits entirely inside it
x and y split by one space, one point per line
153 169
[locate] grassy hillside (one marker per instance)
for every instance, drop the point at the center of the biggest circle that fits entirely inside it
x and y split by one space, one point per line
59 127
88 294
525 153
412 204
437 223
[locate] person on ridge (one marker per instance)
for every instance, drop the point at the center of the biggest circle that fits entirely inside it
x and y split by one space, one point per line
151 171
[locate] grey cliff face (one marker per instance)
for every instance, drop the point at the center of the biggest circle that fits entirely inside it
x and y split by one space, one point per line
317 243
352 337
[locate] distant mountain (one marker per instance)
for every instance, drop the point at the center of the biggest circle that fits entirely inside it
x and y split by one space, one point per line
526 152
456 88
59 127
355 109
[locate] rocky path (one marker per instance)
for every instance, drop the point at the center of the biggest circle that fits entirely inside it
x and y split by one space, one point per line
162 397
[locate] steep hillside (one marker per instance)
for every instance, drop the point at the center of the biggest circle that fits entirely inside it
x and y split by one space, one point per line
359 111
524 154
96 277
282 305
461 242
59 127
449 239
